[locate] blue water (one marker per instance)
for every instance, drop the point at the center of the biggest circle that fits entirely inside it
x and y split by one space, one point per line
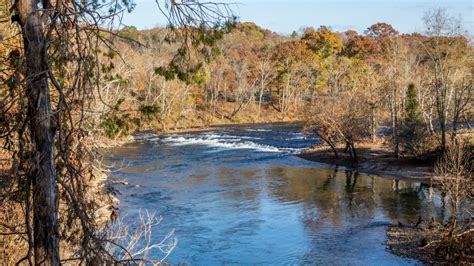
238 195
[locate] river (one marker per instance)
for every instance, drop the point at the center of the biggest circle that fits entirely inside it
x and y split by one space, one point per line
239 195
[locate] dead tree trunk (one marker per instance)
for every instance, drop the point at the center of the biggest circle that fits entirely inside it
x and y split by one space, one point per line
45 204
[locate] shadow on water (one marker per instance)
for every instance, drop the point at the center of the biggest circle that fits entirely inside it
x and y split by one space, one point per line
238 195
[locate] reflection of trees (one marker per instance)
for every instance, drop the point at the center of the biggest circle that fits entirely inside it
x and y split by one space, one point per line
321 192
332 197
240 185
405 201
351 180
360 191
315 188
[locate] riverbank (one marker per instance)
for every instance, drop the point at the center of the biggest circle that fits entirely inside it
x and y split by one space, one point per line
428 242
375 159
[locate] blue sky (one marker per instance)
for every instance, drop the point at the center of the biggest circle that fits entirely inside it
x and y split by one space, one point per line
284 16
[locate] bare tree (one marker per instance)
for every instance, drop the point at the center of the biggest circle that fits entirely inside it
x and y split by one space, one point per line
130 246
455 170
264 68
462 99
341 120
445 51
324 122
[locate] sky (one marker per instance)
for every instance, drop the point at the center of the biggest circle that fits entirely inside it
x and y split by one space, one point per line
285 16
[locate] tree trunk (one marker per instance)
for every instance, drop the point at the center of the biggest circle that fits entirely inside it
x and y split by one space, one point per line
328 142
395 122
442 122
455 127
260 97
262 87
373 124
356 160
467 122
441 105
45 204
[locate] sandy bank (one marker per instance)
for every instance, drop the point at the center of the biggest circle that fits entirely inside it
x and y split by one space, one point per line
375 159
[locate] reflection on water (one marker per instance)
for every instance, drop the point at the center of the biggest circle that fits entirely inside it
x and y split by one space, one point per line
234 204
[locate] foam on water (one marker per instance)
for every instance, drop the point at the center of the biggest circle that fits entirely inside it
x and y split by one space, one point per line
257 130
219 141
296 136
224 140
144 137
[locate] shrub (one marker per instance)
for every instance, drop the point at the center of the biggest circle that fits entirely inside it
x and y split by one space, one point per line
149 110
114 126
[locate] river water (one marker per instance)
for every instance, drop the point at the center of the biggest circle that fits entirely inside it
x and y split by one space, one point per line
239 195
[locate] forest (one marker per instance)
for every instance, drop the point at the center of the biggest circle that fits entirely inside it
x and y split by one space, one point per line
71 87
256 75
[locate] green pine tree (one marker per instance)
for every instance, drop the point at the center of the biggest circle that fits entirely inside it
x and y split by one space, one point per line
413 135
412 107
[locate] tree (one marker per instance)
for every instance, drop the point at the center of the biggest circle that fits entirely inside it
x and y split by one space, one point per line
455 169
462 99
390 66
412 108
444 51
355 124
341 120
362 47
294 34
324 123
372 96
264 70
60 66
412 135
293 71
42 132
324 42
216 86
381 30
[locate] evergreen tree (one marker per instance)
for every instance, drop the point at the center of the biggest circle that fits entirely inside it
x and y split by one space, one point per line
413 134
412 107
